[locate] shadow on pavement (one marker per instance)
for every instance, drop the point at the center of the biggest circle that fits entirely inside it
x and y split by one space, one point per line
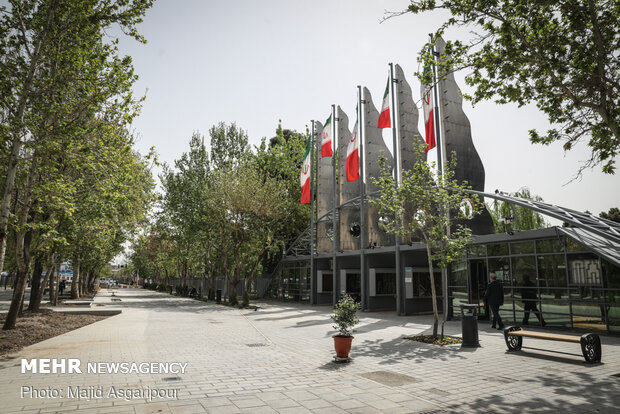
590 396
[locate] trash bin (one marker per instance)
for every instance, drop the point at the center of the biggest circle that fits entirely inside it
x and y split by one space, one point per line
218 296
469 325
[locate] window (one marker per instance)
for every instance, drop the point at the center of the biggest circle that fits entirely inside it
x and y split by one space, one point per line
478 250
522 248
422 284
584 272
386 283
328 282
498 249
550 246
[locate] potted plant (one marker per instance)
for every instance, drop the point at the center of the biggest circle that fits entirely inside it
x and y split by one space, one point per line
345 318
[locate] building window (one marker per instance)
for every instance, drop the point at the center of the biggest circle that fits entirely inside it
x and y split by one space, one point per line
550 246
584 272
500 249
522 248
386 283
422 284
328 282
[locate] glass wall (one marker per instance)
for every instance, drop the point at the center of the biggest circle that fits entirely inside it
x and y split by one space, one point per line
551 282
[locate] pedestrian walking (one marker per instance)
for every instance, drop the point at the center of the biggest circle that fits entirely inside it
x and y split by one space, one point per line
494 298
61 287
529 297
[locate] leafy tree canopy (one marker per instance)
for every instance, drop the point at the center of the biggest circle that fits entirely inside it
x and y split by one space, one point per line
560 55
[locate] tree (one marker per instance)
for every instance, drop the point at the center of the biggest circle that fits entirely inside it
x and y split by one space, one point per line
281 159
55 49
613 214
526 219
429 212
560 55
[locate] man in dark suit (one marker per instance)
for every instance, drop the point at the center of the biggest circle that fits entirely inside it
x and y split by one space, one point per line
494 298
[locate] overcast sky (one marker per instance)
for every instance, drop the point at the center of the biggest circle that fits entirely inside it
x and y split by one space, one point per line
257 61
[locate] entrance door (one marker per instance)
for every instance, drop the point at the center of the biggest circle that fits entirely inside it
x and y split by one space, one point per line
354 286
479 284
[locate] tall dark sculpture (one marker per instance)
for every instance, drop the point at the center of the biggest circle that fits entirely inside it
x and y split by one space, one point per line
457 137
349 214
374 149
409 136
324 197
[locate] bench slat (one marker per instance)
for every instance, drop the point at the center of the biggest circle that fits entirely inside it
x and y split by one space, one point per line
547 335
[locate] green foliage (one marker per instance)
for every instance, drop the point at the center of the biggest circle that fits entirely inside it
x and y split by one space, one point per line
613 214
560 55
428 210
526 219
345 315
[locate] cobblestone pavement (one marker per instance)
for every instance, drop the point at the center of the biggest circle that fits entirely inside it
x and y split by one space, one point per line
278 360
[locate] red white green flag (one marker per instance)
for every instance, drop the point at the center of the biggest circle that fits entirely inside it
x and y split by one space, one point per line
384 117
429 114
353 158
304 178
326 138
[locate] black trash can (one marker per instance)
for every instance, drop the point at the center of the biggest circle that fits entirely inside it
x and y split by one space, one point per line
218 296
469 325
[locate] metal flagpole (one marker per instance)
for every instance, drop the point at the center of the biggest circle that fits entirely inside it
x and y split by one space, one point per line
399 289
362 178
313 160
441 162
438 139
335 204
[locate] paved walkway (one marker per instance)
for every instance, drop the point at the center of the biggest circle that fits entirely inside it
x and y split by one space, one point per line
278 360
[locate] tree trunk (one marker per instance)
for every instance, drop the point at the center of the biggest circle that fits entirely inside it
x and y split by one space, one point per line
433 290
54 280
17 133
35 286
75 284
91 281
23 265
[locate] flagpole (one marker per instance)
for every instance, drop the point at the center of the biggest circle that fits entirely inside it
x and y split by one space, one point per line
399 290
313 160
438 136
335 204
361 136
441 161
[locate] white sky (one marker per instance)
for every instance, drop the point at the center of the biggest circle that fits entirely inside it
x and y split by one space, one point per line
255 62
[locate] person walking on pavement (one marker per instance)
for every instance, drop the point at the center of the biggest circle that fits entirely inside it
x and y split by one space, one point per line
528 294
494 298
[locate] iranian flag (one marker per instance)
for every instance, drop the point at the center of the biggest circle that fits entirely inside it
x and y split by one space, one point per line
304 178
384 117
326 138
353 157
429 114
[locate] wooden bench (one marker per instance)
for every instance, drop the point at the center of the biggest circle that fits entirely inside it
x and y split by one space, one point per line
590 343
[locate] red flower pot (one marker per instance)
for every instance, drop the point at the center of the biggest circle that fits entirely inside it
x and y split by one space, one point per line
342 344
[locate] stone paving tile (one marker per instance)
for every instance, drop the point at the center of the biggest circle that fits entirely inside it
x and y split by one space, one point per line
293 372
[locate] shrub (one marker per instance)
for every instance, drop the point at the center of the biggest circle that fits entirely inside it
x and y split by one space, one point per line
345 316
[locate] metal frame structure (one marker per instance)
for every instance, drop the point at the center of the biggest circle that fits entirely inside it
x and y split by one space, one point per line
605 228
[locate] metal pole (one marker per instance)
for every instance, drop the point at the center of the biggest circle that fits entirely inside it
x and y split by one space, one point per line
441 162
436 111
313 159
361 136
335 205
399 289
